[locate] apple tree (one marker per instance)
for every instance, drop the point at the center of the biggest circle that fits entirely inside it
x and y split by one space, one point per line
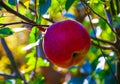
38 36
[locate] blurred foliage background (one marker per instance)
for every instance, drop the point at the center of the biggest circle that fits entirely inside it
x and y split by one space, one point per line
25 41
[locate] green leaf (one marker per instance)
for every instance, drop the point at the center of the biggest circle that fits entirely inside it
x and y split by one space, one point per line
94 1
43 6
68 4
18 81
1 7
40 62
1 82
5 32
30 60
38 80
33 35
12 2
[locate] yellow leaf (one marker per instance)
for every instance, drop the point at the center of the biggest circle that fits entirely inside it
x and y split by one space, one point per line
26 3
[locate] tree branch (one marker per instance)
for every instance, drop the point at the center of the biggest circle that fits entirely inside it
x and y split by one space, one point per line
8 76
18 14
103 47
50 20
100 17
22 22
98 43
109 16
15 12
12 60
101 40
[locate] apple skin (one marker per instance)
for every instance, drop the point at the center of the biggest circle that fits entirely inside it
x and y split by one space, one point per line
66 43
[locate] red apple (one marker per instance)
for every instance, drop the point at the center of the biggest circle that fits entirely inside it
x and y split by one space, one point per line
66 43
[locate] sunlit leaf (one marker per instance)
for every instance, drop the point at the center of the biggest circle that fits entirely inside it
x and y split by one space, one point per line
43 6
68 4
73 69
31 63
5 32
26 3
30 60
29 55
98 8
42 62
33 35
94 1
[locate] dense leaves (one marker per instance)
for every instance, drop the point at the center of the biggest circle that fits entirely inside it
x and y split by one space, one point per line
99 65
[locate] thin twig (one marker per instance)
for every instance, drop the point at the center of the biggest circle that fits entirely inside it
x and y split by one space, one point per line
117 6
10 56
22 22
104 41
12 60
103 47
48 19
18 14
15 12
8 76
109 16
100 17
98 43
36 13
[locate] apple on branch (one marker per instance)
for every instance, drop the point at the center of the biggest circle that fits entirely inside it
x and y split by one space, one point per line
66 43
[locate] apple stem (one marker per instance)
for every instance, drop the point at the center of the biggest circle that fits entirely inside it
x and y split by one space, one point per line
75 54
